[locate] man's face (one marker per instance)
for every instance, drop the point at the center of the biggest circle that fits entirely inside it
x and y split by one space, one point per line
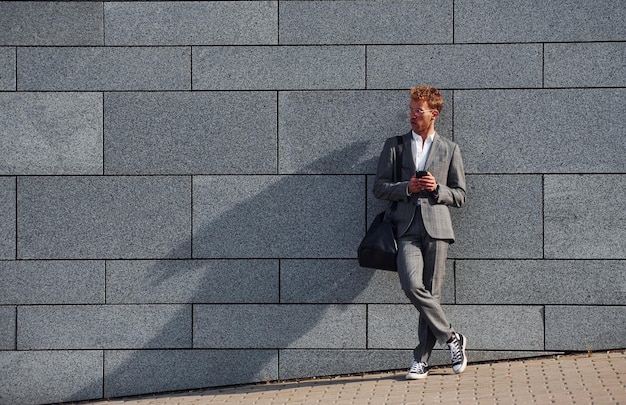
422 117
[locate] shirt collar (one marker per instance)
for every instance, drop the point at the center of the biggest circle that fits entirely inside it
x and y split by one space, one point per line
429 138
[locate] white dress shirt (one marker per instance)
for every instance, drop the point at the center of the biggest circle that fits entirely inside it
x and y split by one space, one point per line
421 149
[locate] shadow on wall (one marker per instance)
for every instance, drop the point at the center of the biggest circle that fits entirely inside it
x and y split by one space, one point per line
239 320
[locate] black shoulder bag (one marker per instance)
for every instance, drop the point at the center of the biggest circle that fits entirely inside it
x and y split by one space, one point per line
378 249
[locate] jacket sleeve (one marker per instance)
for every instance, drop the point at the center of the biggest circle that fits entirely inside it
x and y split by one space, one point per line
385 188
453 192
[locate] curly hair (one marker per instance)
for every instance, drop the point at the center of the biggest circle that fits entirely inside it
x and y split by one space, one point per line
432 96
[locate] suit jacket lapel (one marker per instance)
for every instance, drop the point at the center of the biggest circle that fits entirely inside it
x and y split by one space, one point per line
407 153
433 151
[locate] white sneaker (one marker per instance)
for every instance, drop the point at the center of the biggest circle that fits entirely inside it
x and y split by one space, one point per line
417 371
457 344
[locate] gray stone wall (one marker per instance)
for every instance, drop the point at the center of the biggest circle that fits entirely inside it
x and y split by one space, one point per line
183 186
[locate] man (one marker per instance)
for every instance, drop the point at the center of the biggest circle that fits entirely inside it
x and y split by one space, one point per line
422 221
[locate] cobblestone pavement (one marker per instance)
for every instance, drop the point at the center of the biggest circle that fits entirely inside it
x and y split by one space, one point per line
590 378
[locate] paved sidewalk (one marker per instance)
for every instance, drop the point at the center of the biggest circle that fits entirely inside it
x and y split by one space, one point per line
594 378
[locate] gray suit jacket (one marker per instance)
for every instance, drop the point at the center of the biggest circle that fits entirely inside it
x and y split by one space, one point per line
445 163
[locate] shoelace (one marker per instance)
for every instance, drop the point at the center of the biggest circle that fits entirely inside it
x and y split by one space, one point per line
455 349
417 367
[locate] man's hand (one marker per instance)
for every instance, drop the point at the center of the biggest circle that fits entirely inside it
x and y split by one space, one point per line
427 183
414 186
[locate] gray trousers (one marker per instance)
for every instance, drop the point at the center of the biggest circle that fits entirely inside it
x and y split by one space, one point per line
421 268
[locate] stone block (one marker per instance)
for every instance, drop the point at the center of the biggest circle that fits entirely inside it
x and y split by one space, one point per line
51 23
582 218
336 281
279 326
278 68
496 135
504 327
585 65
104 217
7 217
343 131
45 377
26 282
7 68
402 66
192 281
364 22
392 326
531 21
191 23
130 372
190 133
295 363
104 327
104 68
50 133
277 216
344 282
7 328
441 357
566 282
501 219
580 328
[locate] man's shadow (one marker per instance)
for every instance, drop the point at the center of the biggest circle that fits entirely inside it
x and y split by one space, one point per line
226 350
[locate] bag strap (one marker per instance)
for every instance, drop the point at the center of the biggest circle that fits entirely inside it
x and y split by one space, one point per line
398 156
397 173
